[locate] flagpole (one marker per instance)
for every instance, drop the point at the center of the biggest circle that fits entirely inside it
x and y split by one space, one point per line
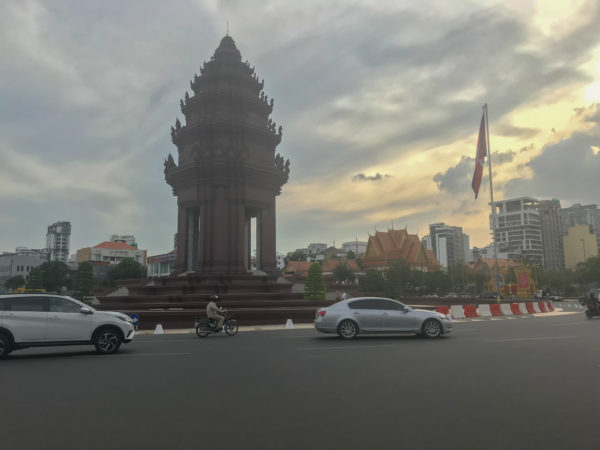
489 149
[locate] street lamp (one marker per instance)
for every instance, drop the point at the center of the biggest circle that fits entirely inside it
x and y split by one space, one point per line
583 247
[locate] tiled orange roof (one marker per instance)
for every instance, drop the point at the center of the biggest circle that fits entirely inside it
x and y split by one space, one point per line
115 246
298 267
330 264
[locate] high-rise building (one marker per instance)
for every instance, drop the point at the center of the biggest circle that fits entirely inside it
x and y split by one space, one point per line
518 230
57 241
449 244
580 243
552 234
581 215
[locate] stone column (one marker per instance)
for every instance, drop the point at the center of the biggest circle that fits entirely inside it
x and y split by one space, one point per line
180 261
267 243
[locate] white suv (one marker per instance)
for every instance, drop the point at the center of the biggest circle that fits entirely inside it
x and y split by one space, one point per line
40 320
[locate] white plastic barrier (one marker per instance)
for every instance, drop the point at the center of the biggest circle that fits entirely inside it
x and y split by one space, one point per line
484 311
457 311
505 308
523 308
536 307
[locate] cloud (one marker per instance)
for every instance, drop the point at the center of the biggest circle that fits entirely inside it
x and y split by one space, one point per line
363 177
89 92
457 178
567 170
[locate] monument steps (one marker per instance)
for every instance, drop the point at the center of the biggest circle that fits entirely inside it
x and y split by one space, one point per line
170 319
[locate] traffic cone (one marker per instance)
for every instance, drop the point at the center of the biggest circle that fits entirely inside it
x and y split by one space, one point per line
289 325
159 329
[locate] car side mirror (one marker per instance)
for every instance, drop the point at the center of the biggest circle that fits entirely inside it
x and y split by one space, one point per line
85 310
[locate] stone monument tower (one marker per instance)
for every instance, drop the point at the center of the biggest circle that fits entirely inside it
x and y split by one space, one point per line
227 171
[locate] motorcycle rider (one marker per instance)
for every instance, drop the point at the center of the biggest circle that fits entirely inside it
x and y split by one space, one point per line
213 311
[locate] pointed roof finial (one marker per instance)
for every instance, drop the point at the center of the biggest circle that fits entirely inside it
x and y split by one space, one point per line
228 28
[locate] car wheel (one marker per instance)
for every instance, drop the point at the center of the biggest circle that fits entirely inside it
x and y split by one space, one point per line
348 329
431 328
107 341
5 345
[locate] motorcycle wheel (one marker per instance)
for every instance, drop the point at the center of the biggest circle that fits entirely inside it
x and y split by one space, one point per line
201 330
588 314
231 328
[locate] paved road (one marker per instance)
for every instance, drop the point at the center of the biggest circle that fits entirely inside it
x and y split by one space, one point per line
504 384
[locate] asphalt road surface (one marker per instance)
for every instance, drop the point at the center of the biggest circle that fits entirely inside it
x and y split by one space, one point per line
530 383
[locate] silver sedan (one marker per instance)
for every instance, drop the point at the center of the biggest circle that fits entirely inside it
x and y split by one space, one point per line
365 315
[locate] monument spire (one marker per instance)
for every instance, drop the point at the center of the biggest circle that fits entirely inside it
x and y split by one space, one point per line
228 172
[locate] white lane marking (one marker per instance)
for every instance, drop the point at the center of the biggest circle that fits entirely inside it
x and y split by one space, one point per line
532 339
343 348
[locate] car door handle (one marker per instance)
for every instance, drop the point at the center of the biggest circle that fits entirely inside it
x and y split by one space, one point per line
53 317
356 313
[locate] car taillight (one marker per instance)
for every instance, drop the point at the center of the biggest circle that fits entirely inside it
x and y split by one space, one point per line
322 313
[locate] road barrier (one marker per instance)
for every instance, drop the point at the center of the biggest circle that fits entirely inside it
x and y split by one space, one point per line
506 310
457 311
471 311
501 309
514 307
444 309
495 309
484 310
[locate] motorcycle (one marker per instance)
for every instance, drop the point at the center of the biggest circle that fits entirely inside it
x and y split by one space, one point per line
205 326
592 307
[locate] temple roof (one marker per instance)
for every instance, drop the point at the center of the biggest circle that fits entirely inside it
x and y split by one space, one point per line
227 50
398 245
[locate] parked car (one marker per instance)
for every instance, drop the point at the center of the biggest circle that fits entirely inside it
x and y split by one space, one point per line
364 315
42 320
491 294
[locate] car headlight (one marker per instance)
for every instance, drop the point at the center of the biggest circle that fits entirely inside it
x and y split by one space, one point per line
126 318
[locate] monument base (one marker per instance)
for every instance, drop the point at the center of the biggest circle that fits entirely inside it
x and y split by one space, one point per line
175 301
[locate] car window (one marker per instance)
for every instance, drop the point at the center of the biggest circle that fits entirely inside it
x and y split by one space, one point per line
32 304
389 305
3 304
63 305
367 303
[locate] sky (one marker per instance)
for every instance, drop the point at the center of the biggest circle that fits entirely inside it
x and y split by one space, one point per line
380 103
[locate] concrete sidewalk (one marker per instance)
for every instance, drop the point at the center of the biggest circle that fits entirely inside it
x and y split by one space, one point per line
308 326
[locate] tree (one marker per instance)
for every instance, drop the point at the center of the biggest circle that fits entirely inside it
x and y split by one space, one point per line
35 280
343 273
296 255
371 281
84 279
55 275
396 277
350 255
14 282
314 288
128 269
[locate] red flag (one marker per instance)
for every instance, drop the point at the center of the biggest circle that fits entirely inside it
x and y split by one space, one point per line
479 158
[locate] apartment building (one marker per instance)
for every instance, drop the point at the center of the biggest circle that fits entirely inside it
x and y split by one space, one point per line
518 230
58 238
